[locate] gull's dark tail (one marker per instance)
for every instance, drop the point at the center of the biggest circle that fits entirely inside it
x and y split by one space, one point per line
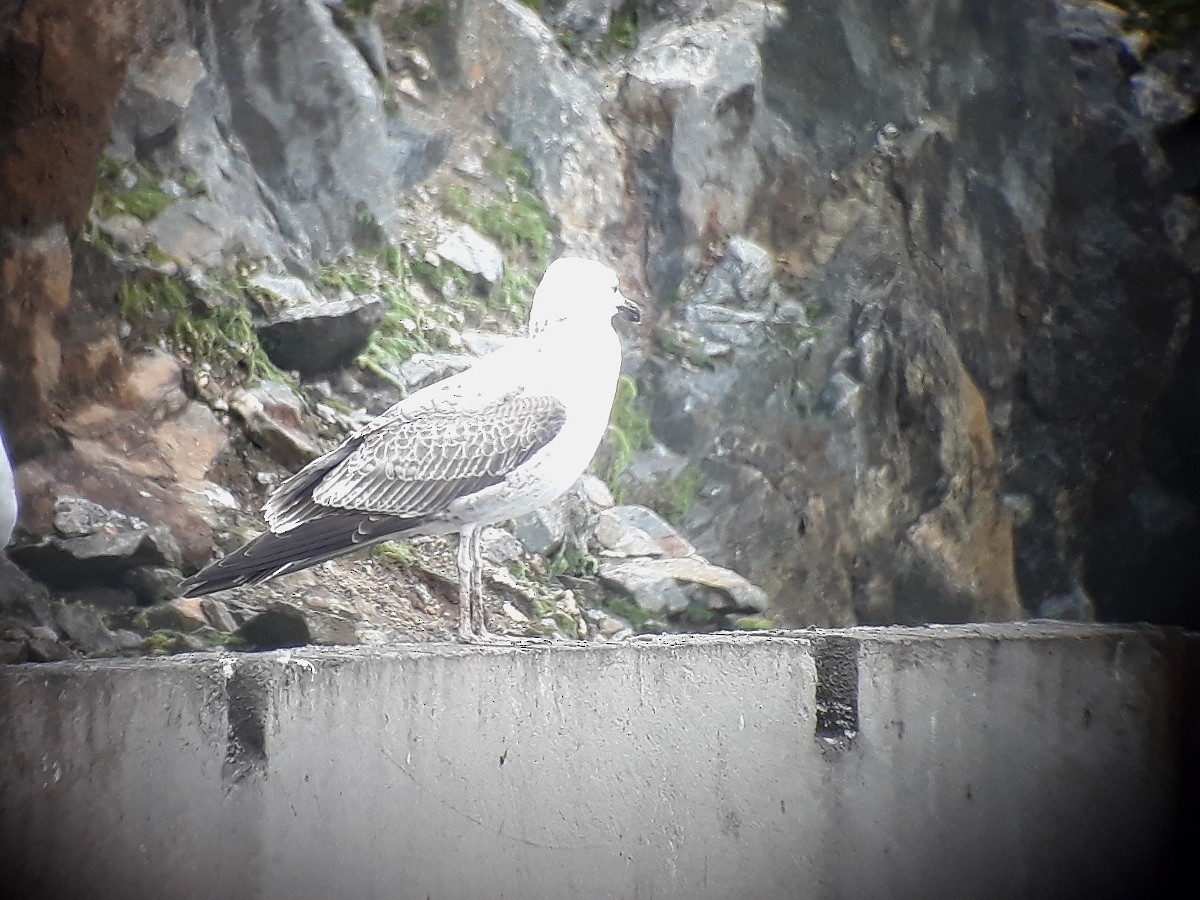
309 543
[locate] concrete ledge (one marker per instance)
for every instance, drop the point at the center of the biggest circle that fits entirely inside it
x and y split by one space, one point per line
1023 760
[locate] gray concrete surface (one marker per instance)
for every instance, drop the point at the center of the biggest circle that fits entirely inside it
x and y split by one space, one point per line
1011 761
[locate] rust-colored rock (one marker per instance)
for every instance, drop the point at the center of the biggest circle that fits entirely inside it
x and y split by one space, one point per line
41 481
62 65
968 539
35 288
148 426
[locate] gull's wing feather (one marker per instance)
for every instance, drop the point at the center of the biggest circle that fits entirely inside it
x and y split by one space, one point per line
480 385
413 463
327 536
417 465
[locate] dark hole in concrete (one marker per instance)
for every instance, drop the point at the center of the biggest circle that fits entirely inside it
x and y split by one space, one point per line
245 745
837 688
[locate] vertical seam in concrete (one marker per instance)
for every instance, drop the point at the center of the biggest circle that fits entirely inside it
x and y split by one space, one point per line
836 660
246 700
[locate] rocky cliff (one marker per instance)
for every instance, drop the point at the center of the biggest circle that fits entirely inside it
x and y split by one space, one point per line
920 277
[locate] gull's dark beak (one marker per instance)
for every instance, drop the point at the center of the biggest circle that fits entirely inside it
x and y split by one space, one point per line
629 310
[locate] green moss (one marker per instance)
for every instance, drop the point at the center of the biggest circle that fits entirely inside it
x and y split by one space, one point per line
397 338
392 260
680 494
566 624
514 294
698 616
429 14
622 33
628 431
682 347
570 561
398 553
229 641
549 620
792 337
752 623
411 325
222 334
458 286
522 224
155 255
144 200
355 281
509 165
437 276
367 231
150 300
518 223
408 326
165 641
194 183
628 610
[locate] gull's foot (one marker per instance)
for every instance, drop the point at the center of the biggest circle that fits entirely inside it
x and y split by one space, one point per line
472 627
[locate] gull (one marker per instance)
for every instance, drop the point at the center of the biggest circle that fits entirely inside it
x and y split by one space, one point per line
495 442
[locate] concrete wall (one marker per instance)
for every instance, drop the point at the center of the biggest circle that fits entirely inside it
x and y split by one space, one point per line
1011 762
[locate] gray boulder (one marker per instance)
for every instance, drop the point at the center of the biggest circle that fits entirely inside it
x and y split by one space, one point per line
637 531
743 277
473 253
84 626
273 415
321 336
669 586
92 545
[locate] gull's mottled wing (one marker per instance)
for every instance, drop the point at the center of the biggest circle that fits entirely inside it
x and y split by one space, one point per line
417 465
414 464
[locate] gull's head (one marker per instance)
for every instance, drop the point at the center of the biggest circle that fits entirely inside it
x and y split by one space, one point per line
579 291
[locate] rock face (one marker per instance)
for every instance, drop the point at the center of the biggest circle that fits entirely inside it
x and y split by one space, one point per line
966 262
919 280
548 108
63 68
277 114
693 97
